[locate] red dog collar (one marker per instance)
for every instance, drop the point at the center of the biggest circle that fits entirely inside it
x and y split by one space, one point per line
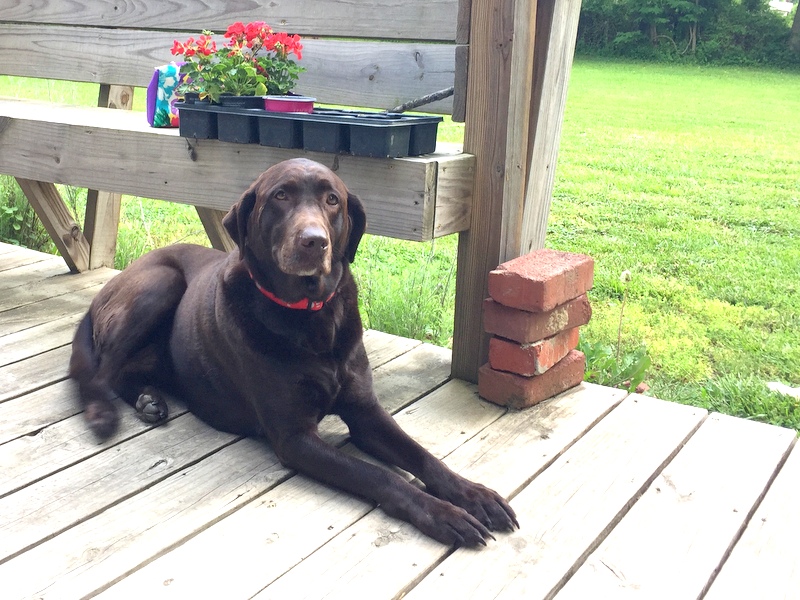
303 304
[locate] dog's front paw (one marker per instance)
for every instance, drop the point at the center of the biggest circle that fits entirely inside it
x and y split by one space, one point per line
486 505
151 407
449 524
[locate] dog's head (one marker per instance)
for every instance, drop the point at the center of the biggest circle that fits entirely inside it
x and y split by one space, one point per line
298 216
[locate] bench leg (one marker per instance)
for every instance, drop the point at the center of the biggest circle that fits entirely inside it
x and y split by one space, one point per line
217 234
58 221
103 208
101 226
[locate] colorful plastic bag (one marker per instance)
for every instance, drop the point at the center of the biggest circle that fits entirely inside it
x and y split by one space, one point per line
161 97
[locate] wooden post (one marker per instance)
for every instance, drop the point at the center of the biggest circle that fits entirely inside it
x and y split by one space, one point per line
101 222
513 121
556 32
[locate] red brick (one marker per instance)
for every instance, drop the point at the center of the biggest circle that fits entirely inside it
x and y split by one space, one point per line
526 327
516 391
531 359
541 280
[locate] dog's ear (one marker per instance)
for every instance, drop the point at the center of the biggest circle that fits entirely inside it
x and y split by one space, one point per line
236 219
358 225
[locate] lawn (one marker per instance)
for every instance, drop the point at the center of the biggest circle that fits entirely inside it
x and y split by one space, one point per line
687 177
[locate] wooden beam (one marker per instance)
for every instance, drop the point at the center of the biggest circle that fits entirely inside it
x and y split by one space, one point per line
460 84
101 222
520 58
217 234
389 19
520 118
557 29
58 221
115 150
376 74
485 135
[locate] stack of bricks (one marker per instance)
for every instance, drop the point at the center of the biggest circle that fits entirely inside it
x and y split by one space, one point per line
538 302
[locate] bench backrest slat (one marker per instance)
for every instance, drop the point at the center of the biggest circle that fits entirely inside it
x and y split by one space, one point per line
386 19
350 72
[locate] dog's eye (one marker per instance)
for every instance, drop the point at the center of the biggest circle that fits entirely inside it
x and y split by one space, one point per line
280 195
333 199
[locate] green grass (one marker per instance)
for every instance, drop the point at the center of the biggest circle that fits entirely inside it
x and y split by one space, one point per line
686 176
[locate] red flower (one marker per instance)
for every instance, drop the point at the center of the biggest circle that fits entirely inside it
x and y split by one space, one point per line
206 46
235 30
226 69
256 30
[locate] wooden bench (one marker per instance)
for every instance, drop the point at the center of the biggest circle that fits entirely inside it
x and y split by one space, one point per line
508 61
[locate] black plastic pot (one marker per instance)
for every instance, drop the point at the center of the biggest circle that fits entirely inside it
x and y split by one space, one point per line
280 132
325 136
238 126
380 141
197 121
325 130
423 139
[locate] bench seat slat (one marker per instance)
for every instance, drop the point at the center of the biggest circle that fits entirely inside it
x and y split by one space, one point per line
409 198
353 73
395 19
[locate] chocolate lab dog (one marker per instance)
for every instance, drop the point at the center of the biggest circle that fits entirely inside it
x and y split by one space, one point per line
265 342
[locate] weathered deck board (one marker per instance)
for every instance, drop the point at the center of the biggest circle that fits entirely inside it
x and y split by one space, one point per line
688 518
35 373
182 510
349 565
764 563
566 508
19 257
53 287
50 309
13 277
69 497
38 338
299 517
32 412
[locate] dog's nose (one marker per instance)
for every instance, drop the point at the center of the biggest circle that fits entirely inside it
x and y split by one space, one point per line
313 238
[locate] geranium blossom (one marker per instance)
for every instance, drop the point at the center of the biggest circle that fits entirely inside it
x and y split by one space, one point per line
254 60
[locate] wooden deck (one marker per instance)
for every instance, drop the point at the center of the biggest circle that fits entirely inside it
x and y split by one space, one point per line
617 495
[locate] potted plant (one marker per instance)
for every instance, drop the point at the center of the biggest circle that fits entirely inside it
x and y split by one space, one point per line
253 66
255 61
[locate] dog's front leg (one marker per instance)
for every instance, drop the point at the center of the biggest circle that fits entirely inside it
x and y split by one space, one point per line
443 521
375 432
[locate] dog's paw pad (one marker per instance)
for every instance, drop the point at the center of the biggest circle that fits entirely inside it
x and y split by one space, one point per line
151 408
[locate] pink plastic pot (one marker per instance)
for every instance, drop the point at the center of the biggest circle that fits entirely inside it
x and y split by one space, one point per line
301 104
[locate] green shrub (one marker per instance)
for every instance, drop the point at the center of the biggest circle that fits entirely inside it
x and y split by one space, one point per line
728 32
606 366
18 222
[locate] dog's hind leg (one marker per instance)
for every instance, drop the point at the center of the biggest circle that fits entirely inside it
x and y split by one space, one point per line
120 347
97 398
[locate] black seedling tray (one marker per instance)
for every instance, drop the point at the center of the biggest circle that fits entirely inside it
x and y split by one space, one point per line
360 133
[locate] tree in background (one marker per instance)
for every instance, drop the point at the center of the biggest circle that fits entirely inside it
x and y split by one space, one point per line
719 31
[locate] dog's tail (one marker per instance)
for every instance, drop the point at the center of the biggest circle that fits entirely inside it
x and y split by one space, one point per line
97 397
